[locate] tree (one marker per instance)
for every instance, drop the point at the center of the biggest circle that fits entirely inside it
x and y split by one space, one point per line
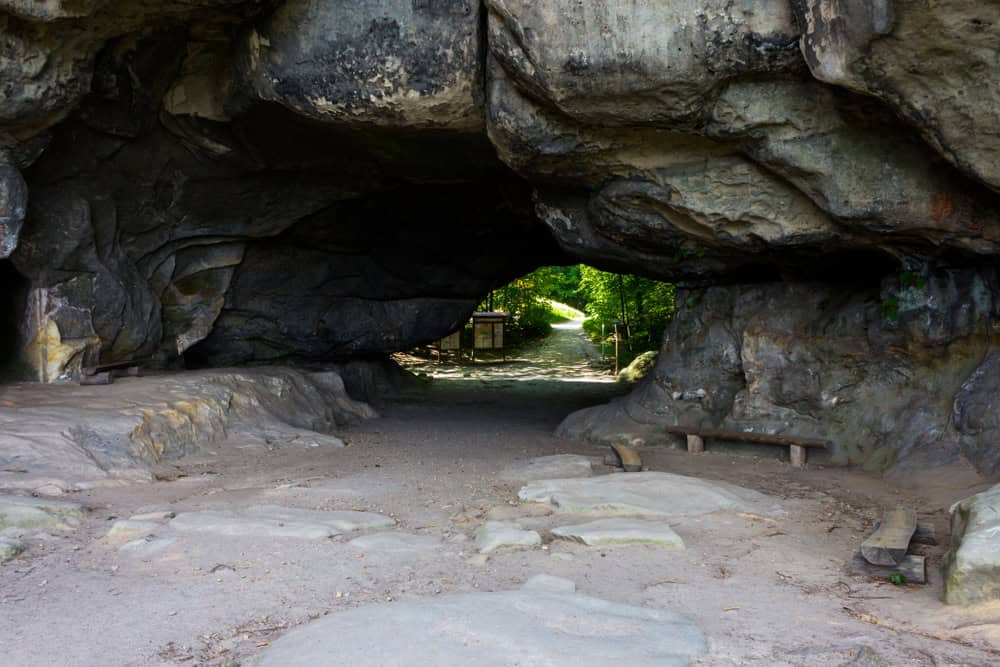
644 306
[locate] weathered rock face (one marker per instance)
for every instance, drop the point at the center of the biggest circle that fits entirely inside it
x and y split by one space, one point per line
226 181
934 65
396 63
872 370
62 441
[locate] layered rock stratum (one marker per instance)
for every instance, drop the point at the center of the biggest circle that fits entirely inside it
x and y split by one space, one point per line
216 182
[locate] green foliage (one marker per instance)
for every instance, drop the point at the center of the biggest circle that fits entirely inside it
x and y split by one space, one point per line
890 308
908 279
536 301
644 305
559 293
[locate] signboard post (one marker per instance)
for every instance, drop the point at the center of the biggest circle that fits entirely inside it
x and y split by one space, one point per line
450 343
487 332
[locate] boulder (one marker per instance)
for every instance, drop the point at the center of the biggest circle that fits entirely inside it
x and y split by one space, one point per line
119 432
972 565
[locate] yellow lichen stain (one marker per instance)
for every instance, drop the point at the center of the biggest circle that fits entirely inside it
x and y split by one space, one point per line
182 425
54 358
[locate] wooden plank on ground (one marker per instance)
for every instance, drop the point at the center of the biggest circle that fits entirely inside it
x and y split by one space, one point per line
744 436
890 541
913 568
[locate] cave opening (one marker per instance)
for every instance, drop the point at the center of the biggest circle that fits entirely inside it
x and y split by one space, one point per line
13 297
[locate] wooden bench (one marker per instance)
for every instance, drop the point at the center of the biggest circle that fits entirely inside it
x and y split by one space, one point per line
796 446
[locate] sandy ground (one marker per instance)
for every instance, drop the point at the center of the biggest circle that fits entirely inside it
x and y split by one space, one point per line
765 591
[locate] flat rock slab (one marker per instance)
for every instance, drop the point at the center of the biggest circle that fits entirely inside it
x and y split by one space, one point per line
972 566
621 531
10 547
648 494
524 628
395 543
546 582
131 529
493 535
274 521
560 466
38 513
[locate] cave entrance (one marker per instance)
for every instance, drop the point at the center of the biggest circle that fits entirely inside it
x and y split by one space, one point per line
13 296
564 323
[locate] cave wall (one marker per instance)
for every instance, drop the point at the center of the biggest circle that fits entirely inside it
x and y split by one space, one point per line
900 373
227 181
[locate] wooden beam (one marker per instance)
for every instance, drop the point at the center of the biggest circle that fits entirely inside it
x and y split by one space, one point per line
797 456
890 541
744 436
912 567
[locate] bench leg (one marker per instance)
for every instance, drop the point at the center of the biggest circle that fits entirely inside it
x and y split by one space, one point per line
695 444
797 455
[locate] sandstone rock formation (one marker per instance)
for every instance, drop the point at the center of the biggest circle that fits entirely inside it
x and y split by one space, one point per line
214 182
972 566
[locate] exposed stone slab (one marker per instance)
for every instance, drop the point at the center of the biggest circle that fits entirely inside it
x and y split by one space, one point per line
549 467
269 521
972 567
621 531
647 493
528 628
131 529
38 513
78 437
395 543
10 547
546 582
493 535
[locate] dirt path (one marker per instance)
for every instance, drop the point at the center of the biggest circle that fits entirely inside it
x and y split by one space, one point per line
565 355
765 591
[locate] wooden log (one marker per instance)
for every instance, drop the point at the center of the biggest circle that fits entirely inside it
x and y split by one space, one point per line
695 444
797 456
924 534
130 371
913 568
97 378
743 436
890 541
629 457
